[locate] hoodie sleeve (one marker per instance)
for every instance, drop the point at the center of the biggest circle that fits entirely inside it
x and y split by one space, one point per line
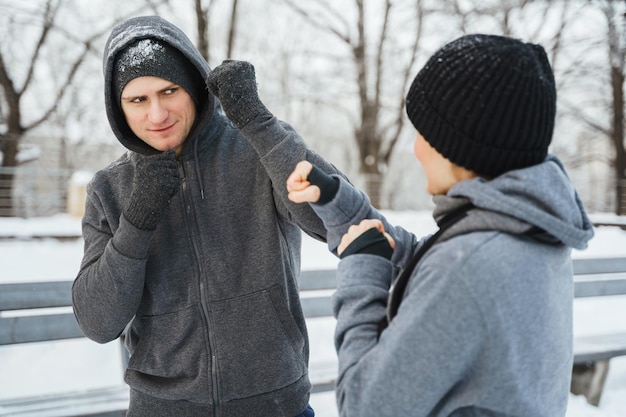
349 207
424 336
280 148
108 288
368 366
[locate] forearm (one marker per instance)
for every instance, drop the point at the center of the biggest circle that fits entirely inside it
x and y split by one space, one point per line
108 289
280 148
404 365
359 304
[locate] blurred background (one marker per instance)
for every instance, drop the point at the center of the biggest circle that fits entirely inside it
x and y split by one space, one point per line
337 71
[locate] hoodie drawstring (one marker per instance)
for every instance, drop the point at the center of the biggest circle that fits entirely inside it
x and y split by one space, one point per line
195 159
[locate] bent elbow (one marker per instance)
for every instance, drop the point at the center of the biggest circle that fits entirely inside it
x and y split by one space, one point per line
96 330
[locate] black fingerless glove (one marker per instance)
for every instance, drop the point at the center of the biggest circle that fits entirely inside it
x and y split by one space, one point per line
156 181
327 184
234 83
372 242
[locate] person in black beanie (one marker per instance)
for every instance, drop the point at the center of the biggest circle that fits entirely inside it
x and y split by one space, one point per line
476 319
192 247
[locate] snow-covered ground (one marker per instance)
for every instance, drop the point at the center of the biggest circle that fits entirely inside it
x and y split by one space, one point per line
48 368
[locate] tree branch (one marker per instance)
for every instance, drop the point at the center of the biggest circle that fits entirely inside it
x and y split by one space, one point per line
48 22
321 23
407 78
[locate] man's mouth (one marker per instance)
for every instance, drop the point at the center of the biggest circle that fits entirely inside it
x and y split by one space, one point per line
165 129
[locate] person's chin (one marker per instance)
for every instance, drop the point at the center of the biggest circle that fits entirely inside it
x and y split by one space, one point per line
165 144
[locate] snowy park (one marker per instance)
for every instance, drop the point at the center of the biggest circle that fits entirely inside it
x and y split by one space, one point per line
57 367
339 72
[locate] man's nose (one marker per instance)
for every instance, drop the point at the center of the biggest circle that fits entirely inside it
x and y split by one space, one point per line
157 113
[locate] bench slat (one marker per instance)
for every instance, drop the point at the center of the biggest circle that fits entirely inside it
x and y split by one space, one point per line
35 295
598 265
104 402
314 307
325 279
26 329
600 285
597 347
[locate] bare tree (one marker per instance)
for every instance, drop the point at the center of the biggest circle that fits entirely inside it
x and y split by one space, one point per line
601 79
370 43
18 77
232 30
616 43
370 40
203 13
202 25
13 93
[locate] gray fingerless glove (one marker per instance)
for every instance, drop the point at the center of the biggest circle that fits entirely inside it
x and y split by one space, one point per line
234 83
156 181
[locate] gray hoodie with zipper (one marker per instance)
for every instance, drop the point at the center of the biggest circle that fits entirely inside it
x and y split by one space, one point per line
209 300
485 325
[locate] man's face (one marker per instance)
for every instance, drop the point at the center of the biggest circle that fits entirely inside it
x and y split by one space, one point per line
159 112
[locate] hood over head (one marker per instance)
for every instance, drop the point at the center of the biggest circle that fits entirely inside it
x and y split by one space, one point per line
539 201
152 46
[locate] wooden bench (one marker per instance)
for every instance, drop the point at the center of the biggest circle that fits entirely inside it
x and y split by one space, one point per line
597 278
42 312
592 278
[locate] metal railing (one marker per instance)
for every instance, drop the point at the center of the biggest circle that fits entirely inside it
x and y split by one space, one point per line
33 191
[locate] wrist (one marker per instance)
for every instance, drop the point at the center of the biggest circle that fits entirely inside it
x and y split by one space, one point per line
246 111
141 216
327 184
131 241
371 242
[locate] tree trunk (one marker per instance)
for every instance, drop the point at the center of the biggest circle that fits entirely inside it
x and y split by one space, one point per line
621 195
232 31
373 188
616 42
369 156
618 139
7 175
202 25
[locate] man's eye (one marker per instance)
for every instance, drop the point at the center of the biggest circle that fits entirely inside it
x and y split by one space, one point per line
170 90
138 100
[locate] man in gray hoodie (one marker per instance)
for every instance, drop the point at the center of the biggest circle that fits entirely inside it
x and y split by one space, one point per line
192 248
479 321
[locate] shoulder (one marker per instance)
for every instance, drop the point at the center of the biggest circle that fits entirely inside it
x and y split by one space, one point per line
493 266
116 174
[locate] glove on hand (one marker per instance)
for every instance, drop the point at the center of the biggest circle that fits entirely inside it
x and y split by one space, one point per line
156 182
372 242
234 83
328 185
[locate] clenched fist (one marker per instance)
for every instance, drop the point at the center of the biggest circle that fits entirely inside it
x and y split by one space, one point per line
156 181
234 83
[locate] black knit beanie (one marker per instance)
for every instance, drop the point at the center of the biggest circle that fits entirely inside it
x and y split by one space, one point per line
486 103
151 57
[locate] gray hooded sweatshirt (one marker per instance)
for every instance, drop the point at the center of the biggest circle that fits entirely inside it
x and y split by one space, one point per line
209 300
485 325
